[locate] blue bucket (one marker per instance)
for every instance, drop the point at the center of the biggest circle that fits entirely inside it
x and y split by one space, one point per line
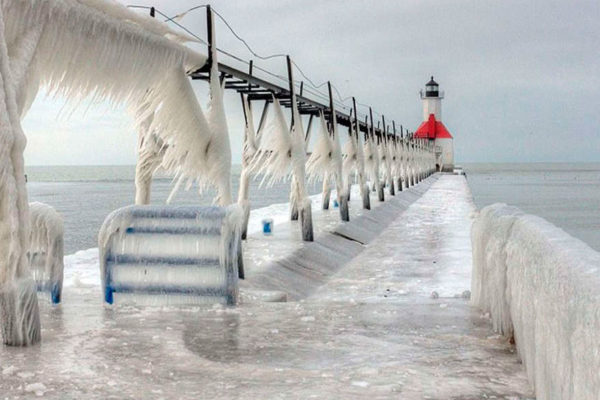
335 204
267 226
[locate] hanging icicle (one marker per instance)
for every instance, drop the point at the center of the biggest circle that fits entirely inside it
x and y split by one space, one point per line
372 163
320 162
273 158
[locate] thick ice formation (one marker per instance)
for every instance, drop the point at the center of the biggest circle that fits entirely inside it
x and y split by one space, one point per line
251 145
542 286
46 249
396 156
321 161
170 255
272 158
354 163
372 161
384 161
325 162
96 38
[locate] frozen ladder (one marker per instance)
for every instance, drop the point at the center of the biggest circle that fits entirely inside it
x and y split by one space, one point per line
156 255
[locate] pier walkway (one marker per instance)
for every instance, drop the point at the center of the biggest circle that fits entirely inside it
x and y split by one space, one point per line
373 331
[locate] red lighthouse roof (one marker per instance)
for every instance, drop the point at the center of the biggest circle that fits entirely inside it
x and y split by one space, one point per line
432 129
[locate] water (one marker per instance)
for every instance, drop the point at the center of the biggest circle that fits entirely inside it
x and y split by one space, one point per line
85 195
566 194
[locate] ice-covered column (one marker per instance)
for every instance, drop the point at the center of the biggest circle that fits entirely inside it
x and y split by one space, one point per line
326 192
397 161
360 162
407 163
354 161
319 165
19 314
409 146
251 143
418 160
386 154
299 193
336 158
372 159
150 153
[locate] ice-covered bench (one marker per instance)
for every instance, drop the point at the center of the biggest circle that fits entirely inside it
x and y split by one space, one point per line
154 255
46 249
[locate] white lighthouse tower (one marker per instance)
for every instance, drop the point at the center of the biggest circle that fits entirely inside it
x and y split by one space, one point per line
433 129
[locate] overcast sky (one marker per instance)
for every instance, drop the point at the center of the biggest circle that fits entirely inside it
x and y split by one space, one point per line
521 78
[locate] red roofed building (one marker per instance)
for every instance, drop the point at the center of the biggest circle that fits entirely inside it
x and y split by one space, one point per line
433 129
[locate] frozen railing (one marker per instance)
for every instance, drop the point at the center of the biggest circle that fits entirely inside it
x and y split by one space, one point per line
541 286
46 249
154 255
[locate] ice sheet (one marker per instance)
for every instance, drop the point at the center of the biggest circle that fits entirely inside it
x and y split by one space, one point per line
373 331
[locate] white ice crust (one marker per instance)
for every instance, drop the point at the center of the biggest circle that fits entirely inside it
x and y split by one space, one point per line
46 246
543 286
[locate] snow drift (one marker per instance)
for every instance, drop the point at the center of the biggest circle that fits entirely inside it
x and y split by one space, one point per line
543 286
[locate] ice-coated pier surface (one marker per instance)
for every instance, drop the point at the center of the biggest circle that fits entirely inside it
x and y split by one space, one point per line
372 330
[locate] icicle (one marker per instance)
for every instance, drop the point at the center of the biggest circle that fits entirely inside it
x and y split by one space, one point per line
251 144
372 163
273 158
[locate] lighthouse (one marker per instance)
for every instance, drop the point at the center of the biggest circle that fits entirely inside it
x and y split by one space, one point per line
433 129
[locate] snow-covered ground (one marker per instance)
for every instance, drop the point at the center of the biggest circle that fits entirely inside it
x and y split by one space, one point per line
372 331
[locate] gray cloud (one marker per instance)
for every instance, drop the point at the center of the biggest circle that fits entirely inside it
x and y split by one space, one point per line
521 77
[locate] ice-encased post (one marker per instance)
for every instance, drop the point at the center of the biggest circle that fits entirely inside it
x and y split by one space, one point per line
298 151
326 194
360 160
337 159
218 121
398 149
388 164
251 144
19 313
377 186
150 154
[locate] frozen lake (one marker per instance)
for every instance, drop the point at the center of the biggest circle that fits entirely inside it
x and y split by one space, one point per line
372 331
566 194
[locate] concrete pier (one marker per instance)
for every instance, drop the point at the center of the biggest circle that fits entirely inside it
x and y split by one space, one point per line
367 326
